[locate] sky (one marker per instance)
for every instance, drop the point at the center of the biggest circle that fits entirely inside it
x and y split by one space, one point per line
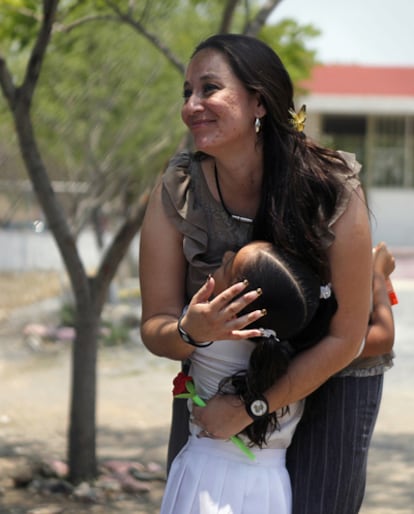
368 32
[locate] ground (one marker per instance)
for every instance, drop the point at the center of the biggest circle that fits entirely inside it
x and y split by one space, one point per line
134 400
34 402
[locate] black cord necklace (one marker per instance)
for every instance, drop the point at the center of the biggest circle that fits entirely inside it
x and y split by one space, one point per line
234 216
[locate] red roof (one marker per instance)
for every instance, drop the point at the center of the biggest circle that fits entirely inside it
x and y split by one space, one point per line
361 80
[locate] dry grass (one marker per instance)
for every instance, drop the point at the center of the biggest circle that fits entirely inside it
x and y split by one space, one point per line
18 289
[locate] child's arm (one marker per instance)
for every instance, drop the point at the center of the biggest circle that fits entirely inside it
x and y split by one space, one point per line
380 334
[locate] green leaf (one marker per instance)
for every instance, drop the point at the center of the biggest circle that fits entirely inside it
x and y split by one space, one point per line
190 387
198 401
240 444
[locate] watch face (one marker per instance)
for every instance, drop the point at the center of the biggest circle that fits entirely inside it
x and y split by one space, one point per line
258 408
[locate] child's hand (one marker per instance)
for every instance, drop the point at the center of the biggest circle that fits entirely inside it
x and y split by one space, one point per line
383 260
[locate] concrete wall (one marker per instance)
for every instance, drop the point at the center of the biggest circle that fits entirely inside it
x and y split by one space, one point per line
25 249
392 222
393 216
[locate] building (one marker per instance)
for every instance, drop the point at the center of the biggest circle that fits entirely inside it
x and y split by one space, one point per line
369 110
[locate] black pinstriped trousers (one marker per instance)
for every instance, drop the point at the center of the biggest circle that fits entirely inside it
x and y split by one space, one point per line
327 459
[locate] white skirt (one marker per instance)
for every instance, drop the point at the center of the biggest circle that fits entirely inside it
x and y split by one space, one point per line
211 476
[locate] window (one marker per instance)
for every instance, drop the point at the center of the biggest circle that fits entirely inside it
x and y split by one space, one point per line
387 151
347 133
384 145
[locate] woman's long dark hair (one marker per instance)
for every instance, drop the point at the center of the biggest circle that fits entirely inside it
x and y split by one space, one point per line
299 193
296 318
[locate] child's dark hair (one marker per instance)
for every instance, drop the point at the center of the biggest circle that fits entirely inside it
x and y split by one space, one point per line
297 317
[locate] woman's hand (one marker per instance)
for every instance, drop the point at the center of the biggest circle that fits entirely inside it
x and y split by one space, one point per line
223 417
218 319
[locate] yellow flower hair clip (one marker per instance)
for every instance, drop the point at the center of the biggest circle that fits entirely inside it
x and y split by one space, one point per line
298 119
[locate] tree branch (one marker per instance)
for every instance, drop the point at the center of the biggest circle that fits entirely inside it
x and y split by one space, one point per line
35 165
6 83
29 13
125 17
59 27
152 38
254 26
118 248
39 49
227 17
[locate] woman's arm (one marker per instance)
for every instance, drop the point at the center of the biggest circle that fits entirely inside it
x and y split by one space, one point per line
380 334
162 281
350 259
162 270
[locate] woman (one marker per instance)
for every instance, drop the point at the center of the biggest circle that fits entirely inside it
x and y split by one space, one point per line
255 177
208 474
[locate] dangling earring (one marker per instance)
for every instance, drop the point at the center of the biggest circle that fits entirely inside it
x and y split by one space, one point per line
257 125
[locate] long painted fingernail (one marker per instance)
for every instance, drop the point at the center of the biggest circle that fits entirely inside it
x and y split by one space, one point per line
264 312
259 291
245 282
210 276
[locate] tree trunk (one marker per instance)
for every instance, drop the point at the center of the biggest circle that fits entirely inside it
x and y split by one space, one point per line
82 429
82 450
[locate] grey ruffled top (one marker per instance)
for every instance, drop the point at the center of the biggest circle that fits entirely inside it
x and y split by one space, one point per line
208 231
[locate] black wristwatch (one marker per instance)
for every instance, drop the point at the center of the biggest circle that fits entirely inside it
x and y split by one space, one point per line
185 336
257 408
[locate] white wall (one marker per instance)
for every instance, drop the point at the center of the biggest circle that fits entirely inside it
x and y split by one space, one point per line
393 216
28 250
392 222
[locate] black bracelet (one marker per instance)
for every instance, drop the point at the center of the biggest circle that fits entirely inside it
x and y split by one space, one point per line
185 336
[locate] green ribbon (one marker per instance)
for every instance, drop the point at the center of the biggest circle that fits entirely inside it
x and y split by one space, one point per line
192 394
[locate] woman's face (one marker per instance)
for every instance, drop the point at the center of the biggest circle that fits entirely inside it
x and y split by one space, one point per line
218 109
